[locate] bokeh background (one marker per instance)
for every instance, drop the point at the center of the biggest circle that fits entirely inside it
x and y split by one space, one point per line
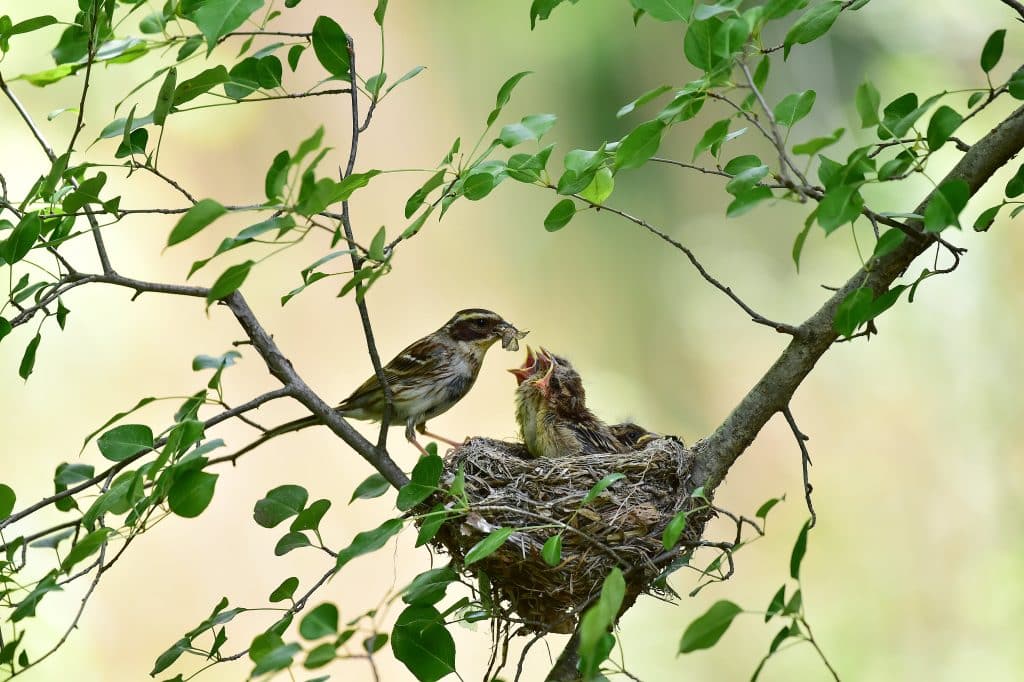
914 569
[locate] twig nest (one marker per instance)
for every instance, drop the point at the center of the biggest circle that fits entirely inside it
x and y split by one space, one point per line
621 526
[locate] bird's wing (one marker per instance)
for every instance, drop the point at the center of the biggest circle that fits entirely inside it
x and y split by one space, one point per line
595 437
421 363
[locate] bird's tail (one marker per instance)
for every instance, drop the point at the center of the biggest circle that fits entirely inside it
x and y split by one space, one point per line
287 427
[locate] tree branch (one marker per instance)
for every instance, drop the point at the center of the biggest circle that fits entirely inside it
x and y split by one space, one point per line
715 454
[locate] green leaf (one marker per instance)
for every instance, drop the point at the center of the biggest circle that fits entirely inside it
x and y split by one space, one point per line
944 122
380 11
746 180
285 590
595 642
746 201
33 24
85 548
277 659
165 97
504 95
198 217
5 328
487 546
421 642
852 312
794 107
420 195
22 238
430 524
705 631
425 477
551 552
191 493
712 138
739 164
167 658
229 281
27 607
993 50
369 541
331 47
665 10
981 224
290 541
374 486
531 127
478 185
600 487
776 9
217 18
841 205
429 587
560 215
800 547
7 500
600 188
639 145
812 24
202 83
320 622
945 205
642 99
123 441
28 359
888 242
673 529
320 656
868 100
1015 86
815 145
776 605
767 506
310 517
280 503
1015 186
900 115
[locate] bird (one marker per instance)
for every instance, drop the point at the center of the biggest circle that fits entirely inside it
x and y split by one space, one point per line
552 413
632 434
425 379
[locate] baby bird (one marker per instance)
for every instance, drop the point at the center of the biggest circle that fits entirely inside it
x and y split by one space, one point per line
552 412
632 435
426 379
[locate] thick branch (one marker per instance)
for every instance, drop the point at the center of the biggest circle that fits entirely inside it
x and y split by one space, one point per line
716 454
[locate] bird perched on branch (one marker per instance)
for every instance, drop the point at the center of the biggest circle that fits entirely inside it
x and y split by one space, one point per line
552 412
426 379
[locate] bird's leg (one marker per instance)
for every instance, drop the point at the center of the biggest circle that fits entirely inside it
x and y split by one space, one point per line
410 435
422 428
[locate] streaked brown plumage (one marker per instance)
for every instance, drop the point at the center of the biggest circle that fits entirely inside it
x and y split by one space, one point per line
426 379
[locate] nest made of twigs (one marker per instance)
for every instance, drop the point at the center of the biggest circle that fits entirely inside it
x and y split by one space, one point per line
621 527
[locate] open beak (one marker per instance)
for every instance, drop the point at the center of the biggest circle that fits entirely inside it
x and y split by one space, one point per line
543 384
523 373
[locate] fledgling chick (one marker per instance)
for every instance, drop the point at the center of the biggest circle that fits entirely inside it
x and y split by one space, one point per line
555 401
427 378
632 435
528 396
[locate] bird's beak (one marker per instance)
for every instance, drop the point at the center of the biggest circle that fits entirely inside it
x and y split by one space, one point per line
543 384
523 373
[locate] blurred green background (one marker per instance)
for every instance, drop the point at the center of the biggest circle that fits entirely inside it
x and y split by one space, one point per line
914 569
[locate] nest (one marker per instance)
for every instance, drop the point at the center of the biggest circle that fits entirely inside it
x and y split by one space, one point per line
621 527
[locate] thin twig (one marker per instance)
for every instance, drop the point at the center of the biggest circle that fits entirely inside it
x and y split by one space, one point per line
805 460
780 327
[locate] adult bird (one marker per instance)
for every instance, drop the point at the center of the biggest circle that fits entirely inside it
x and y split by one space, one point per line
426 379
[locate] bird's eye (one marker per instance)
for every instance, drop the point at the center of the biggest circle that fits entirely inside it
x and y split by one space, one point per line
481 322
